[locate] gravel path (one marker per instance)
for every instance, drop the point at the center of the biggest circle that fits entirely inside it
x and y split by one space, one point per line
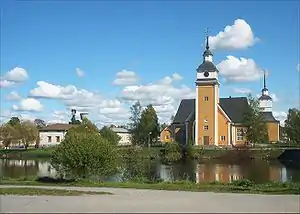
136 200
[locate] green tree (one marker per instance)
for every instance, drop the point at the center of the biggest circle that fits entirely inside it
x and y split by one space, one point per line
149 126
86 126
163 126
24 133
40 123
84 153
14 121
256 129
110 135
292 125
134 125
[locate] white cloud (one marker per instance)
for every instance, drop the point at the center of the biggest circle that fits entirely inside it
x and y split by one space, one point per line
274 97
281 116
29 104
125 77
163 95
6 83
16 75
79 72
242 90
13 95
239 69
237 36
176 77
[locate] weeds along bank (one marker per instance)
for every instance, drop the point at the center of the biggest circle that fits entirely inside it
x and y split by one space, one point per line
237 186
169 152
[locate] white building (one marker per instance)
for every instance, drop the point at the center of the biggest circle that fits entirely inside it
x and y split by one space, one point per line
124 134
53 134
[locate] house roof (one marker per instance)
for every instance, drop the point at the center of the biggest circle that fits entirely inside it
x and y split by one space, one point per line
57 127
207 66
120 130
265 97
234 107
268 116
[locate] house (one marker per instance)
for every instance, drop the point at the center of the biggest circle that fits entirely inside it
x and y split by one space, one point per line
124 134
53 134
166 135
211 120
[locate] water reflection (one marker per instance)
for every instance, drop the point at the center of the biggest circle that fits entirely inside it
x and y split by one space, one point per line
193 171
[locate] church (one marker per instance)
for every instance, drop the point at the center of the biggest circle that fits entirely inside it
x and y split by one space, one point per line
211 120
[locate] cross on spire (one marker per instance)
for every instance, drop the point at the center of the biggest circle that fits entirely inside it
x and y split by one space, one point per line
264 78
206 33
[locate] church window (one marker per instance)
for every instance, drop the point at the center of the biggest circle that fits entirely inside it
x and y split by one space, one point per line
222 138
205 127
206 98
240 134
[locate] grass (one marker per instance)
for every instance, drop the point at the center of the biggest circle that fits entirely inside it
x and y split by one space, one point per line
43 191
240 186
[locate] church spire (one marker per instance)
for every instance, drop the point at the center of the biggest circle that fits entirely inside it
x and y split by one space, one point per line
265 79
207 55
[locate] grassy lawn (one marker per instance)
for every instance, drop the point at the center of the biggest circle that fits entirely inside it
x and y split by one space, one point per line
42 191
240 186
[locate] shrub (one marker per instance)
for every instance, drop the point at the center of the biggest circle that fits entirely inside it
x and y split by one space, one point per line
84 154
172 152
110 135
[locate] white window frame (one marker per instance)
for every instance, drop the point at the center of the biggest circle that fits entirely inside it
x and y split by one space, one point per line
49 139
239 134
206 98
222 138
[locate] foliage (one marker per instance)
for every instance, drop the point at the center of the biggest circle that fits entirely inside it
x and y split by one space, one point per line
85 127
135 118
40 123
110 135
149 127
256 129
24 132
292 125
14 121
171 152
84 153
163 126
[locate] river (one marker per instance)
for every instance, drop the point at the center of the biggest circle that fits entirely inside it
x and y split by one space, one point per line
209 171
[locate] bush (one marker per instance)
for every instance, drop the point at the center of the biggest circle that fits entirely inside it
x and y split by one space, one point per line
110 135
172 152
83 154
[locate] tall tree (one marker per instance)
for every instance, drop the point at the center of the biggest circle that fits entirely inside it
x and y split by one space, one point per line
292 125
256 129
134 124
14 121
163 126
149 126
40 123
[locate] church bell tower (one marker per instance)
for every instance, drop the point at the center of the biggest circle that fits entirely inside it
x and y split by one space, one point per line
207 99
265 101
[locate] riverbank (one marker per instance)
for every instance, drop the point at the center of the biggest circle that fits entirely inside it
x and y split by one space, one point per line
238 186
200 153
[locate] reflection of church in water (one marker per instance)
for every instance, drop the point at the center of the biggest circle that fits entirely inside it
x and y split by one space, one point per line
222 173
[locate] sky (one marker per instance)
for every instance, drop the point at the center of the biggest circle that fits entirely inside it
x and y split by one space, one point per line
102 56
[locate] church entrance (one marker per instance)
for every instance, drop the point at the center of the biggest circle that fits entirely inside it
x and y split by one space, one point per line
206 140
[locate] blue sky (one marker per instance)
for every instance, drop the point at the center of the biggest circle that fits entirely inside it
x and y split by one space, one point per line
149 41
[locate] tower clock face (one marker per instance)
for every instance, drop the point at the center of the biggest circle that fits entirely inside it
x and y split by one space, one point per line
206 73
